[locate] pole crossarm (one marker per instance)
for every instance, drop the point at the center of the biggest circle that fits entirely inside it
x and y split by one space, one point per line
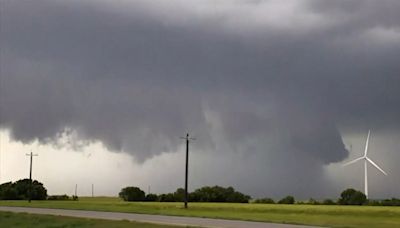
188 138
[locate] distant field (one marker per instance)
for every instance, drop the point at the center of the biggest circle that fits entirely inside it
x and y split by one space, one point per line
22 220
320 215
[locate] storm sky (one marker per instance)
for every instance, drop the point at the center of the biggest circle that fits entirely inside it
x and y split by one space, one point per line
277 93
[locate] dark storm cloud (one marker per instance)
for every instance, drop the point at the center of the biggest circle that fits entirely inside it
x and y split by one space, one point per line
136 75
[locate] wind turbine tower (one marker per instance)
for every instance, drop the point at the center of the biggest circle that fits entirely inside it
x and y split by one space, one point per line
366 160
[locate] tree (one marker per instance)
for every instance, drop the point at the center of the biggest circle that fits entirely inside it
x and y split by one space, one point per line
20 190
352 197
179 195
287 200
8 192
132 194
38 191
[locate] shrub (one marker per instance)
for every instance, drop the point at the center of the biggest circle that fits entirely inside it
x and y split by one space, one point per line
313 202
287 200
151 197
391 202
265 201
166 198
374 203
58 197
328 202
132 194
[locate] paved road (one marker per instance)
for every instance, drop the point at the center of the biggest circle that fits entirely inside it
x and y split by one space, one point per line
160 219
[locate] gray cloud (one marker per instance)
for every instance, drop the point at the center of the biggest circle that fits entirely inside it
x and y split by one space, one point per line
278 79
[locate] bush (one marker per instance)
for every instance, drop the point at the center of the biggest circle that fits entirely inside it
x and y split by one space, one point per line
352 197
328 202
58 197
167 198
287 200
265 201
151 197
374 203
313 202
385 202
391 202
132 194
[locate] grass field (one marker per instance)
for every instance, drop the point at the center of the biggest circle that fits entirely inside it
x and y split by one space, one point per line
22 220
332 216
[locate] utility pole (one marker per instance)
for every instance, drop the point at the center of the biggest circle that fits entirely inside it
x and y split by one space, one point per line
92 190
30 176
187 138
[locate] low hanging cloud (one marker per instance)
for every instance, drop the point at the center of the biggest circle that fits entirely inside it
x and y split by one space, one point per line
271 78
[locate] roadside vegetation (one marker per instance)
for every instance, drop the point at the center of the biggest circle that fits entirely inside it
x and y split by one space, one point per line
318 215
23 220
22 189
217 202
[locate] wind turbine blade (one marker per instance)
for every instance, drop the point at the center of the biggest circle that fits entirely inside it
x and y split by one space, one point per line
376 166
354 161
366 144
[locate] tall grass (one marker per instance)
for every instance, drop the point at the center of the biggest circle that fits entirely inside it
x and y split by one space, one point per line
321 215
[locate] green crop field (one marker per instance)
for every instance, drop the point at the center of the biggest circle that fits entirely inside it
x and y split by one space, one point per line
21 220
321 215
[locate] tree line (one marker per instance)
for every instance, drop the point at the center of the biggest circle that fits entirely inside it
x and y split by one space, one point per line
220 194
347 197
204 194
20 190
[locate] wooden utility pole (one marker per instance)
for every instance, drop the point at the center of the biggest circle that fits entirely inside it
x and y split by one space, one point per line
187 138
30 176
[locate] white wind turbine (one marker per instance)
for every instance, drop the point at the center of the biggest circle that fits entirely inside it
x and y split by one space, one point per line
366 160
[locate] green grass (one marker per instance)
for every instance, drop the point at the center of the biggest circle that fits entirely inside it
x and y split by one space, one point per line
332 216
22 220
